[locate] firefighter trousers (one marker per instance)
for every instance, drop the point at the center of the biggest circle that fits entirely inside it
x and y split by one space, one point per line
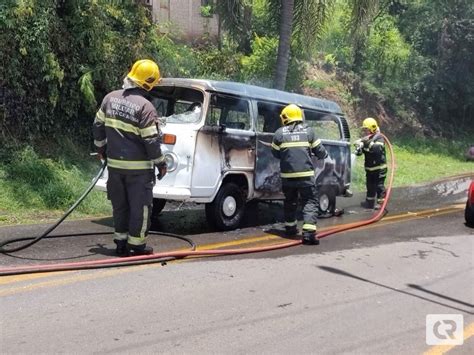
375 184
309 201
132 198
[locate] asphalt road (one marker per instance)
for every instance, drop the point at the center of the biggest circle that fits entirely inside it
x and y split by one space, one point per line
364 291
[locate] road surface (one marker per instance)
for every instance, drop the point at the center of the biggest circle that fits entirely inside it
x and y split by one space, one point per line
365 291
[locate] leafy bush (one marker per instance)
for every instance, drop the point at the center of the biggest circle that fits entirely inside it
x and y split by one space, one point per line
387 54
175 60
223 64
258 67
62 57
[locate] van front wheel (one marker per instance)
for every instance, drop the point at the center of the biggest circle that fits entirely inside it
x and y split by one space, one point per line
227 209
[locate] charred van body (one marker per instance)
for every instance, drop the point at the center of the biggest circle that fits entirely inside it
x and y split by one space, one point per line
217 144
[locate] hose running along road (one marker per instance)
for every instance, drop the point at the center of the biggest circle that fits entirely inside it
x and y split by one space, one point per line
172 255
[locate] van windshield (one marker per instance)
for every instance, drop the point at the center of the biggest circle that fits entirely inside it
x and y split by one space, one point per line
185 113
178 105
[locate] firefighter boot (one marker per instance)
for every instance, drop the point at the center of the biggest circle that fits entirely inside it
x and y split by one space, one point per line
309 238
369 204
134 250
291 231
121 249
379 203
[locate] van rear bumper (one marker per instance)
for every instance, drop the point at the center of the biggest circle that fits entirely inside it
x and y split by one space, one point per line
171 193
164 192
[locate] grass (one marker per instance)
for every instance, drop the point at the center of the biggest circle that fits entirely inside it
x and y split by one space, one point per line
38 188
421 161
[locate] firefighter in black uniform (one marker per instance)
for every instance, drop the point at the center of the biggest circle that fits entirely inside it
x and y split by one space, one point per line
294 144
126 134
373 148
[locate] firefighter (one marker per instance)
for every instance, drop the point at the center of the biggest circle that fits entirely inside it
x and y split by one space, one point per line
372 145
294 143
126 134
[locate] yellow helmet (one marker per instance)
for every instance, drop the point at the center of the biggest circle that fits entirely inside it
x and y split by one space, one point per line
370 124
145 73
291 113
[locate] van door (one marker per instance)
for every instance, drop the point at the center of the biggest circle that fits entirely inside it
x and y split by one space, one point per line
267 179
333 175
226 143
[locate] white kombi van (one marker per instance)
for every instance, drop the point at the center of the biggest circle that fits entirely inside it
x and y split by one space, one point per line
217 138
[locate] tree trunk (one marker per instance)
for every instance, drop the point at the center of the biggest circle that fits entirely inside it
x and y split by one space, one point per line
286 25
247 27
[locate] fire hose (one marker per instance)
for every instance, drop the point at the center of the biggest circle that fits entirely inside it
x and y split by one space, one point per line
172 255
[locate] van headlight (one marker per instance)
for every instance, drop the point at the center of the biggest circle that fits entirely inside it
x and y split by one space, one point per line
171 161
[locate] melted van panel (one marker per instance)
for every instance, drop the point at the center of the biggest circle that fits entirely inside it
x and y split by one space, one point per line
334 170
233 147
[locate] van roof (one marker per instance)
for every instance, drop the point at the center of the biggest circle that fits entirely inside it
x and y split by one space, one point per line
257 92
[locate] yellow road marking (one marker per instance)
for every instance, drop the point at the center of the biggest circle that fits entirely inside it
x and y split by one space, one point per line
74 278
250 240
412 216
255 239
442 349
26 277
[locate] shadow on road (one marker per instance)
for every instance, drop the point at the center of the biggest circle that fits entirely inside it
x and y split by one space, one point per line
347 274
420 288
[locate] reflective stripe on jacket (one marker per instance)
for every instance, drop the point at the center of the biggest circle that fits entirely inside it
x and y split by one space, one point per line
374 153
126 123
293 145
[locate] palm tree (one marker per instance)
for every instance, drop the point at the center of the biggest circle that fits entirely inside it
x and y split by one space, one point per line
301 22
283 57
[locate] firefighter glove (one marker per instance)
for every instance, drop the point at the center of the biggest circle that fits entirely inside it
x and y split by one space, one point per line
102 153
358 145
162 170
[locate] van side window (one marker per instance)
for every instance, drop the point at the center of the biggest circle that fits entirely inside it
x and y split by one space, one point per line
229 111
325 125
268 119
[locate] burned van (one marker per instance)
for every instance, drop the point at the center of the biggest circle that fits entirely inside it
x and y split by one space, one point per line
217 143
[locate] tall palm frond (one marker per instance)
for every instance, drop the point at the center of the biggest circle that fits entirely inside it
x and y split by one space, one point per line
235 17
362 15
310 16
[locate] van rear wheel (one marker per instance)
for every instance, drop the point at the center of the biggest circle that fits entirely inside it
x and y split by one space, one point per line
158 205
327 199
227 209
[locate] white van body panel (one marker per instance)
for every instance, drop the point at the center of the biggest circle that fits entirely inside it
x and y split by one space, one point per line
214 159
176 184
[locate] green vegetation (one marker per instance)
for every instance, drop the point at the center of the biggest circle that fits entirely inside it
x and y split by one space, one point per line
420 161
36 189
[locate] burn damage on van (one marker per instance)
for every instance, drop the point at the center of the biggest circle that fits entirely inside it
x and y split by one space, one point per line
235 147
225 129
333 171
267 170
